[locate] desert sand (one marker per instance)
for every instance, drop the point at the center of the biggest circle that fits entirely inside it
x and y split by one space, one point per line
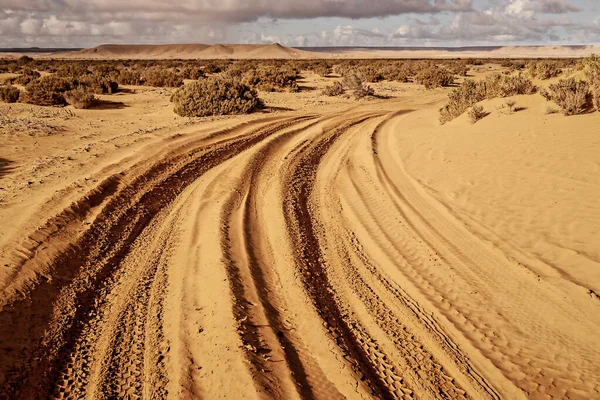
324 248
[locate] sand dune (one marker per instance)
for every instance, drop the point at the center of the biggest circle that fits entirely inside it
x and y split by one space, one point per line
277 51
190 51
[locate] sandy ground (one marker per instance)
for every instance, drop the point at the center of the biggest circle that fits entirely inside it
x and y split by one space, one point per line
326 248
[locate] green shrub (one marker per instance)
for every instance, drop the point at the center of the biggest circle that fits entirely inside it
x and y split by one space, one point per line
9 94
570 95
47 91
215 96
81 97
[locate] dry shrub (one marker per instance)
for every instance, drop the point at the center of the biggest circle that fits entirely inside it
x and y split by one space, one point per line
355 82
192 72
81 97
471 92
476 113
215 96
570 95
47 91
511 105
272 79
335 89
27 76
98 84
321 68
545 69
434 77
129 77
592 75
158 77
9 94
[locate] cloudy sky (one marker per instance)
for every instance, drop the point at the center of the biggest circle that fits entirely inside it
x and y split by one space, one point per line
86 23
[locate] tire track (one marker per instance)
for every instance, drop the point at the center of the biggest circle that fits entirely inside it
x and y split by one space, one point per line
98 254
311 263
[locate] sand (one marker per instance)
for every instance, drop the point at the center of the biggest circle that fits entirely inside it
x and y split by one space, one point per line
325 248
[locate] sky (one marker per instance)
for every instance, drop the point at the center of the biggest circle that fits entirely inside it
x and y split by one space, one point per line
87 23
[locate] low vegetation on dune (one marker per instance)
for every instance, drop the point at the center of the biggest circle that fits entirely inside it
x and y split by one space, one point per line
215 96
571 95
471 92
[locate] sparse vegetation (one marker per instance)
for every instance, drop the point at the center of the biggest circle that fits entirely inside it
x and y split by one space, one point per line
476 113
571 95
81 97
9 94
47 91
354 81
510 105
272 79
335 89
215 96
544 69
471 92
159 77
434 77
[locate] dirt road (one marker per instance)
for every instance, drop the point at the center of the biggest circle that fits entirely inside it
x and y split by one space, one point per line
288 257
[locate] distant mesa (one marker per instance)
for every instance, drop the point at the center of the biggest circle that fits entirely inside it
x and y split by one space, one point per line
277 51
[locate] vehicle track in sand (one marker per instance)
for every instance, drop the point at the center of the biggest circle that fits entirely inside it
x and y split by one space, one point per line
289 257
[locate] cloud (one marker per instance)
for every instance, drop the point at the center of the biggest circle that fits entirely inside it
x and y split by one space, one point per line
90 22
528 7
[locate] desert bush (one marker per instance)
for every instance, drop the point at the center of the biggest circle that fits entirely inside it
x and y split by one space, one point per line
159 77
213 67
433 77
321 68
98 84
192 72
510 104
476 113
571 95
215 96
545 69
355 82
471 92
363 91
27 75
47 91
129 77
9 94
272 79
81 97
335 89
591 67
596 96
